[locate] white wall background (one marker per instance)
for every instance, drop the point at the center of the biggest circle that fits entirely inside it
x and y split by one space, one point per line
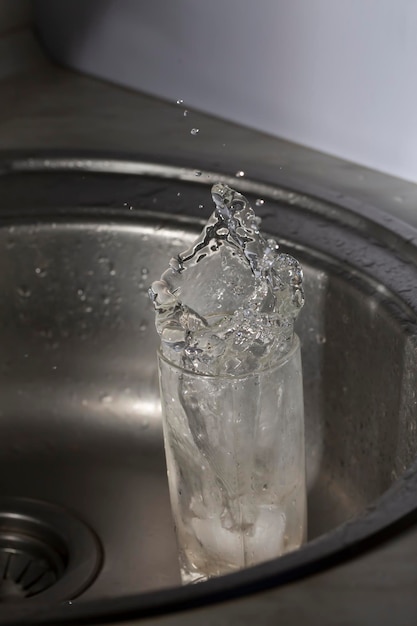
336 75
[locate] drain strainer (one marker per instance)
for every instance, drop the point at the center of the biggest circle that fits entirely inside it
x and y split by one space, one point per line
44 552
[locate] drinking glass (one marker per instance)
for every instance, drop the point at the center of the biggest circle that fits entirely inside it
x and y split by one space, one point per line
236 465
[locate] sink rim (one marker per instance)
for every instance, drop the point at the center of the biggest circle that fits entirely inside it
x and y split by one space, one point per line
396 509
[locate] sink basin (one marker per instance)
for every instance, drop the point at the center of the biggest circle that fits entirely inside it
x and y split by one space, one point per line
80 423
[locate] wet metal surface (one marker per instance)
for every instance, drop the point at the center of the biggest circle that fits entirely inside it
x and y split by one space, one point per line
80 416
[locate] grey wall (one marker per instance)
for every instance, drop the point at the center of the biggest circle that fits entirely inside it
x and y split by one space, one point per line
14 14
18 48
337 75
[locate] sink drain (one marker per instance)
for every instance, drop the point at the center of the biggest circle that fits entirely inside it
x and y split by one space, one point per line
44 552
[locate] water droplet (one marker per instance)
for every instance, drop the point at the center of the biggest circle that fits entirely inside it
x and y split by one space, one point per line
201 206
143 326
145 271
197 173
88 309
39 271
54 367
240 174
321 339
81 294
185 113
24 291
195 131
260 202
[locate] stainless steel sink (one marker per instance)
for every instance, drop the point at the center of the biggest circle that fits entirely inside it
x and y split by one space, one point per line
80 426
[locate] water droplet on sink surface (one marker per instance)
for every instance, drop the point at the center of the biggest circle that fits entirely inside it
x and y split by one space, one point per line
194 131
240 174
197 173
24 291
81 294
185 113
180 101
260 202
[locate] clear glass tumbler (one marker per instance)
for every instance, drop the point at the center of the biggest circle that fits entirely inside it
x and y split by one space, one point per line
236 465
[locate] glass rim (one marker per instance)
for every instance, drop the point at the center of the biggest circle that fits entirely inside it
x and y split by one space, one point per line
295 345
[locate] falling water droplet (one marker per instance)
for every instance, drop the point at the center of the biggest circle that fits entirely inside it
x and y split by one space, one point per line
240 174
195 131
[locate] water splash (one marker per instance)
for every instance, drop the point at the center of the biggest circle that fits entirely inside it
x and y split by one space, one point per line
228 303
